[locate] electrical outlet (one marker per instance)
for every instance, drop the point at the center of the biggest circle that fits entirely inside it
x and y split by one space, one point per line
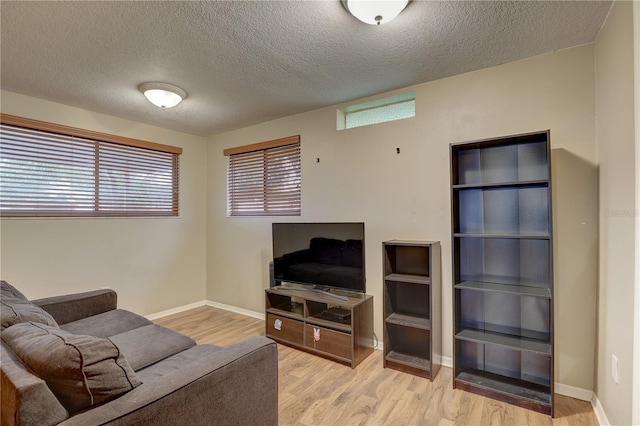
615 372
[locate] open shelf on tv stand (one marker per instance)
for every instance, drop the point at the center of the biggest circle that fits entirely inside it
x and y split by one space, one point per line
297 317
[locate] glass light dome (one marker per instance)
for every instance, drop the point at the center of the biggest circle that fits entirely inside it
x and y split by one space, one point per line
375 12
163 95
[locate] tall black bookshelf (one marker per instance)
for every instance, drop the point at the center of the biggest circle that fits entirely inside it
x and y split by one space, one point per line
503 269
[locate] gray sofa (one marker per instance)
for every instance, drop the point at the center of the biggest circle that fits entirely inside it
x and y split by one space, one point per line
78 360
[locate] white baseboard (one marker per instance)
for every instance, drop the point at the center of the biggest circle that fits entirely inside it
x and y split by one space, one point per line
378 344
574 392
253 314
599 411
176 310
446 361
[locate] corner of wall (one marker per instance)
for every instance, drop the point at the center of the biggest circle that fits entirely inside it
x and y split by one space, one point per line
599 411
617 97
635 410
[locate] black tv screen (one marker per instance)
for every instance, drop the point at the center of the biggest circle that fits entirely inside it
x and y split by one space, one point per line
324 255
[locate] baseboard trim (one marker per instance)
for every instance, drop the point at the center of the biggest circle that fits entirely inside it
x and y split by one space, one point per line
574 392
253 314
176 310
599 411
446 361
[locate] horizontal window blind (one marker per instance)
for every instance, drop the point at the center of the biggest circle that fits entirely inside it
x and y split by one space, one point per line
48 174
265 182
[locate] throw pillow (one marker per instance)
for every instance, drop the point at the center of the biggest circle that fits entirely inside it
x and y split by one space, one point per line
81 371
7 290
15 308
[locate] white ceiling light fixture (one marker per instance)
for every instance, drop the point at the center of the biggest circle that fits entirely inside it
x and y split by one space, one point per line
375 12
162 95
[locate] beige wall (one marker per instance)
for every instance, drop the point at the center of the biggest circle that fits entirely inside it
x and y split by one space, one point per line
154 264
635 397
361 178
616 140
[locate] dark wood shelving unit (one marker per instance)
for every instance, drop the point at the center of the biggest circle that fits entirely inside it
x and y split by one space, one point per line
503 269
294 316
412 333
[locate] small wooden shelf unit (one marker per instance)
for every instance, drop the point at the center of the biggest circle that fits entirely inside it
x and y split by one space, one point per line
412 336
298 318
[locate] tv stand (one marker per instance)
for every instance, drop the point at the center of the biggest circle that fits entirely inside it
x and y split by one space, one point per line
298 317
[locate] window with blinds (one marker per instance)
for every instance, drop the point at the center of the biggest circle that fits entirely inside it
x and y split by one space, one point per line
52 170
264 179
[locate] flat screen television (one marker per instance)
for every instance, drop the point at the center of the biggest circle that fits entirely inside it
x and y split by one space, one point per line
323 255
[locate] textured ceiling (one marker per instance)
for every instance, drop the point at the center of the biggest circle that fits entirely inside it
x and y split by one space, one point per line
245 62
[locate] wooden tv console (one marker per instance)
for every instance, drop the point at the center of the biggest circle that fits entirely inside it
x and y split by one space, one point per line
299 318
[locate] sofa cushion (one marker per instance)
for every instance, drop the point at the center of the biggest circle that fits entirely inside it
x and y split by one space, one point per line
82 371
147 345
107 324
15 308
7 290
168 366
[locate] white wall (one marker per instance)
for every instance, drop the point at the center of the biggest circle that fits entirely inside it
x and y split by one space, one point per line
153 263
616 152
635 397
406 196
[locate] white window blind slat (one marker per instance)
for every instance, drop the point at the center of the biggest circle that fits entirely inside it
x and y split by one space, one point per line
44 173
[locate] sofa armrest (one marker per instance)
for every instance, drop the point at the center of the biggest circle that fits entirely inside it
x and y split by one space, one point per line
72 307
26 399
237 385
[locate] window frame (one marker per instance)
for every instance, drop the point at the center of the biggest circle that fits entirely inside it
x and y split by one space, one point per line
267 153
102 141
378 109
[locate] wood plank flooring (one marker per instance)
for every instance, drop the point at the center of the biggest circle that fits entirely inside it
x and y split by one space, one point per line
316 391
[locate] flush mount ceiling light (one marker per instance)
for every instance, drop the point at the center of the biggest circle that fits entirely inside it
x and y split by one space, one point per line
375 12
163 95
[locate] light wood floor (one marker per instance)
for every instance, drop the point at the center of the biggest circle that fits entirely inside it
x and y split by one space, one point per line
316 391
